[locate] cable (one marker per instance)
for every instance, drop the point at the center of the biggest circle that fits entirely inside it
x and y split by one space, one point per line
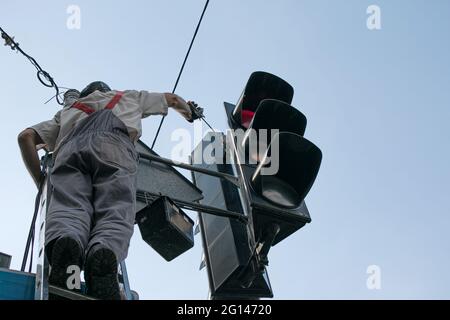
182 68
42 75
204 120
30 240
58 94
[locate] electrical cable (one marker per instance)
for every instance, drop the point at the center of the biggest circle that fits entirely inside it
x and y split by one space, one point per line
182 68
43 76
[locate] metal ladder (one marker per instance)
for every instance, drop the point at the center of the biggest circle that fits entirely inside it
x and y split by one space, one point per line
42 287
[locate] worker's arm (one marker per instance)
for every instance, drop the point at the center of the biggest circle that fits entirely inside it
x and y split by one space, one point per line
28 142
154 103
179 104
32 139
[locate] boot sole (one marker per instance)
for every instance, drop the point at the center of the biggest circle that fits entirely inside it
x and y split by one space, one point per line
66 252
101 275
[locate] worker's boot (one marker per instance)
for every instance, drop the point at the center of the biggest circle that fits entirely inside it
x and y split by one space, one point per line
66 257
101 274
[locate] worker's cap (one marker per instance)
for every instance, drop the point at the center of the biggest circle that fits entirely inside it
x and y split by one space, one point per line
94 86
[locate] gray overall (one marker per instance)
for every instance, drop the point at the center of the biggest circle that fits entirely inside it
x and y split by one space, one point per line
94 181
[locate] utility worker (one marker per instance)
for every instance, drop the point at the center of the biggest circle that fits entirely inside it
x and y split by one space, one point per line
91 213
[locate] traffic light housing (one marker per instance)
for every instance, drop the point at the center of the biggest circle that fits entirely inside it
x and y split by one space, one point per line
271 198
233 271
276 199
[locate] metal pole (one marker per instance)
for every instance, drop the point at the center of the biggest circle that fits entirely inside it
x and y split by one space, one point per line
144 196
33 223
234 180
126 282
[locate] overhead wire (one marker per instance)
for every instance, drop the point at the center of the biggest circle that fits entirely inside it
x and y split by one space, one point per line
181 71
43 76
47 80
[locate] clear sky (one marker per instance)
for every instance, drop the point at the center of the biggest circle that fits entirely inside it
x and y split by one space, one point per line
377 103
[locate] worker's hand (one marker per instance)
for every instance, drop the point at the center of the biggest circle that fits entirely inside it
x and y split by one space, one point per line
41 146
70 96
185 111
196 111
179 104
72 93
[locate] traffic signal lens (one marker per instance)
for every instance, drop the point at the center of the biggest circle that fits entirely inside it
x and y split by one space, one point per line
246 118
279 192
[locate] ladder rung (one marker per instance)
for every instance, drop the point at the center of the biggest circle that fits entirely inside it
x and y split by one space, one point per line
68 294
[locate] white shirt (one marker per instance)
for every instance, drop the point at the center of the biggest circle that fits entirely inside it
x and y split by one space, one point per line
131 108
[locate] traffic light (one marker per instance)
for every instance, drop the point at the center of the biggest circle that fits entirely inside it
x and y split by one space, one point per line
276 199
277 167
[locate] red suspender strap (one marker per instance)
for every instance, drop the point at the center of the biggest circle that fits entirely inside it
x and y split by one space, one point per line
83 107
114 100
109 106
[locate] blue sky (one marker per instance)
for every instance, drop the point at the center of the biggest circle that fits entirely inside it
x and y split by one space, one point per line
377 103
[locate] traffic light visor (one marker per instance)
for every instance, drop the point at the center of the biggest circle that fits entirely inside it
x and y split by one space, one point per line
261 85
298 165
